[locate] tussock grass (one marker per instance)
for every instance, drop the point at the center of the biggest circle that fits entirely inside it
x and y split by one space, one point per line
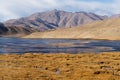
88 66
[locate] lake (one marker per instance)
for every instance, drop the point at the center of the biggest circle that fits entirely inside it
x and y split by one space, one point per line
18 45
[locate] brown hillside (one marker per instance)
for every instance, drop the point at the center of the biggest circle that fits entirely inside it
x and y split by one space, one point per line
106 29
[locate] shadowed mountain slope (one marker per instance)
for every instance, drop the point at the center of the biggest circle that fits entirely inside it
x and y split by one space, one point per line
14 31
3 29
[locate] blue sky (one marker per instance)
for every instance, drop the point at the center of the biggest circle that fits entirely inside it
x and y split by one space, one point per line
20 8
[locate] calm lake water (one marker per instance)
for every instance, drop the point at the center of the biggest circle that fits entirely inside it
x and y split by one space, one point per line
17 45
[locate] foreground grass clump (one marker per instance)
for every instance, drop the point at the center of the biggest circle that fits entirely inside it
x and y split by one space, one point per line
88 66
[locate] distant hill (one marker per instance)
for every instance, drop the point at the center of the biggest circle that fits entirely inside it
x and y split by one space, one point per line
105 29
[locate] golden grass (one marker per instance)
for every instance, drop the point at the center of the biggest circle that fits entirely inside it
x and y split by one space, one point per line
106 29
88 66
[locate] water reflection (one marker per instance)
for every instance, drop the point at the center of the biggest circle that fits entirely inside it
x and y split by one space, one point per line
17 45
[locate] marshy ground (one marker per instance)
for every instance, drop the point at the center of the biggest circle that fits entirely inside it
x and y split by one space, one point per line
87 66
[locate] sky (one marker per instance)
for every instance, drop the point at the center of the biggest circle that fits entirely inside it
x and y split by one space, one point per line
11 9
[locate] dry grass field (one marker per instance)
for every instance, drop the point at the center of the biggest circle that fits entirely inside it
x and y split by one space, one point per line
87 66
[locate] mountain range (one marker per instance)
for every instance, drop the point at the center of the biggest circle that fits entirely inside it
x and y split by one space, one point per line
45 21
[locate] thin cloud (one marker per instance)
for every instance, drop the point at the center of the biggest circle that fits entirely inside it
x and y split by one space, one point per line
20 8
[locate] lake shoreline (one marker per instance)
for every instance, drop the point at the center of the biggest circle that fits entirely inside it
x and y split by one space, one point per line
24 37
